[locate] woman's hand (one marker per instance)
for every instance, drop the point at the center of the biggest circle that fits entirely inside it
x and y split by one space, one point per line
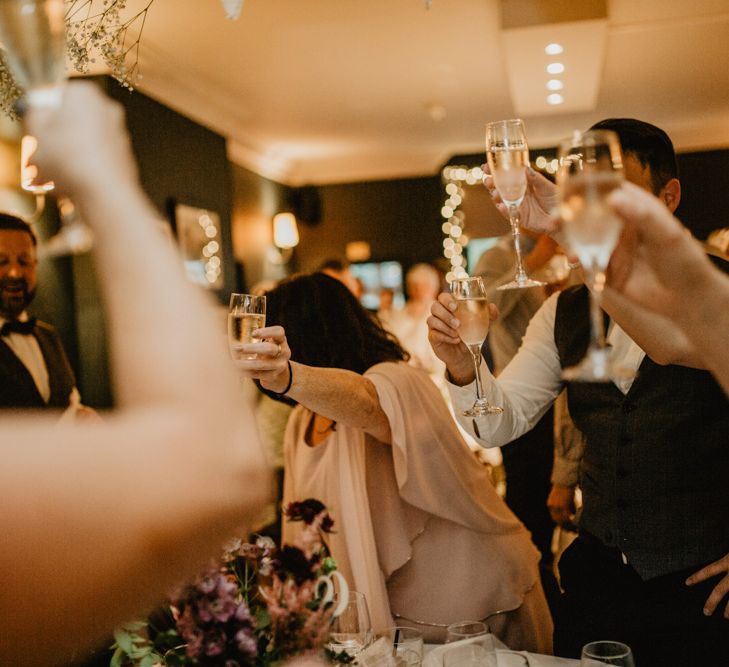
271 363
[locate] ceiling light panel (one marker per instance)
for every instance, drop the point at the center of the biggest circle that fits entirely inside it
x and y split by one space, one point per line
527 61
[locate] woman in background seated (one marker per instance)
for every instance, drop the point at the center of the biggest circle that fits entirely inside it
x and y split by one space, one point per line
421 531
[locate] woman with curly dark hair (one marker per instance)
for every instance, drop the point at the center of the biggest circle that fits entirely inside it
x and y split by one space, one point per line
421 531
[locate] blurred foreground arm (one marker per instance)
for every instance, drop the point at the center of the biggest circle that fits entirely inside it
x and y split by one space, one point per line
100 520
659 267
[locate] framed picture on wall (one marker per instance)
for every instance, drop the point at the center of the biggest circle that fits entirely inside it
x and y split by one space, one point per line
200 240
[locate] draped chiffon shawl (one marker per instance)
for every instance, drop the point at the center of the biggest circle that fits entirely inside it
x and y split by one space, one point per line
419 528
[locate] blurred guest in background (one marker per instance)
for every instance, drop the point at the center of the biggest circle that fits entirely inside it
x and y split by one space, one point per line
421 532
34 369
342 271
410 325
528 461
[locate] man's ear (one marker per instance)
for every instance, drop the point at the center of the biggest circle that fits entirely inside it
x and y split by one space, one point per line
671 194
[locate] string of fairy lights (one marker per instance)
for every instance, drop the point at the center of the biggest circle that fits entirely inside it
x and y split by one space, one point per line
455 177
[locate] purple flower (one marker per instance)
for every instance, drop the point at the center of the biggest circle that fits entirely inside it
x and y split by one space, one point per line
207 583
246 642
243 614
215 641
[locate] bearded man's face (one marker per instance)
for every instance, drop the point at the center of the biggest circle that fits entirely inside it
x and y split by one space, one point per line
18 280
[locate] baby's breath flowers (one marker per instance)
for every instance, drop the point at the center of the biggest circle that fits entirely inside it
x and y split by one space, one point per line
94 28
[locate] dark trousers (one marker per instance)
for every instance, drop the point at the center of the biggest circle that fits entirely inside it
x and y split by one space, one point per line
661 619
528 468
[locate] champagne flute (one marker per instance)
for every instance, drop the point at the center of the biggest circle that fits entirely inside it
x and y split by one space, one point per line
472 309
507 155
33 36
590 169
247 313
597 654
351 631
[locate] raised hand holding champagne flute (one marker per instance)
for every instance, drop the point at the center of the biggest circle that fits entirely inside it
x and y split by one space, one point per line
472 310
507 155
590 168
33 38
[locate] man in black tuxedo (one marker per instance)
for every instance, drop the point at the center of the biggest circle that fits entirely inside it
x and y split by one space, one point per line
34 369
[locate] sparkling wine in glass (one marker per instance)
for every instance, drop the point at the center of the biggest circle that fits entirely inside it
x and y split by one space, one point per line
507 155
472 310
590 168
601 653
247 313
351 631
33 36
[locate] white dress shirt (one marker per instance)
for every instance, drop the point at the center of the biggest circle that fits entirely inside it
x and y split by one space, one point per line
28 350
531 381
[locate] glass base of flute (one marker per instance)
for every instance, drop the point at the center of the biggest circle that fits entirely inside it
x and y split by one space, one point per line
521 279
597 364
480 406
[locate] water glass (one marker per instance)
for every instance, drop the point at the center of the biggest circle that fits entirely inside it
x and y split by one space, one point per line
247 313
596 654
465 630
351 631
480 652
404 639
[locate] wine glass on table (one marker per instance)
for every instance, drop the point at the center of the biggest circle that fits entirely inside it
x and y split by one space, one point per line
472 309
590 168
33 38
474 645
598 654
351 631
507 155
247 312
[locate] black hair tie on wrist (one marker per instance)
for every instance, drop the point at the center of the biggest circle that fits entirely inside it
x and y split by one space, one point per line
291 379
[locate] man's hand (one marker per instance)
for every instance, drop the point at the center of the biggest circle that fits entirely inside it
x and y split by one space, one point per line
656 263
561 504
445 341
721 589
537 210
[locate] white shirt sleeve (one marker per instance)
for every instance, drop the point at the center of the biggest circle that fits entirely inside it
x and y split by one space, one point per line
525 389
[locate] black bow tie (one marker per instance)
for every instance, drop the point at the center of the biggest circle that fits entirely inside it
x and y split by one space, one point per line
15 326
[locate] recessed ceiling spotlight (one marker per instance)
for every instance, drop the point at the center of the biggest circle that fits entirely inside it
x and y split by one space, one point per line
554 84
553 49
555 98
555 68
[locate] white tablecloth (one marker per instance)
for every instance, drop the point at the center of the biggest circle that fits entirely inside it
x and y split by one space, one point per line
434 656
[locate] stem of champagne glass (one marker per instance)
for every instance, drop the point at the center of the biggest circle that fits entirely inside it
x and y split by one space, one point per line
476 354
514 220
597 328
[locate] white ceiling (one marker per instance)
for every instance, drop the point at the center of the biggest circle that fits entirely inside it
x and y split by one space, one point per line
322 91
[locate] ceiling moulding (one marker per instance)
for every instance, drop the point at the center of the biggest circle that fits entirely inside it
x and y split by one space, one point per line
275 169
584 44
524 13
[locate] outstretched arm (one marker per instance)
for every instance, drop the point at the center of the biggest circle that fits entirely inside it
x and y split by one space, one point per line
100 520
344 396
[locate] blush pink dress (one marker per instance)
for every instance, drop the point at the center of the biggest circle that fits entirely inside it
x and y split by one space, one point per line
419 527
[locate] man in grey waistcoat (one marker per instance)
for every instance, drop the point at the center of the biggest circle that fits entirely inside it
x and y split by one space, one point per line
655 469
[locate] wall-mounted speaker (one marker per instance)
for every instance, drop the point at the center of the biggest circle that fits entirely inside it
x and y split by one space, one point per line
305 204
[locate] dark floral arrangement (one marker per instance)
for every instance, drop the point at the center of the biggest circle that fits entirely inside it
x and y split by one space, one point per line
257 606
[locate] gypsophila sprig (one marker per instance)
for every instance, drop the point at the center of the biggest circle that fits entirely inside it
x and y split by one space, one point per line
93 28
257 606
